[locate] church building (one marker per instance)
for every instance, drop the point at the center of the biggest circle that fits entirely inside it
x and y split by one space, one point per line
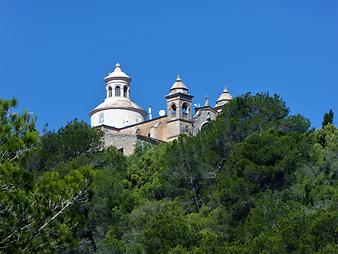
125 124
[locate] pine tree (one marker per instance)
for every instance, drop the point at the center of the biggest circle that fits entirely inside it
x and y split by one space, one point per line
328 118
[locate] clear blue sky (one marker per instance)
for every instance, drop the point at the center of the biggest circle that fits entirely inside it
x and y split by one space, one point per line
55 54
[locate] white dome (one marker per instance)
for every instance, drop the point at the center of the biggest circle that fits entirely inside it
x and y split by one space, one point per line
118 102
117 112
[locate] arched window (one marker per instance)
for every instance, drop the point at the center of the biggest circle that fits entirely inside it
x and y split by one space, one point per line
125 91
185 109
117 91
173 110
110 92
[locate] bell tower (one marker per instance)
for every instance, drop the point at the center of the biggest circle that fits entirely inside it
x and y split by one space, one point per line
179 110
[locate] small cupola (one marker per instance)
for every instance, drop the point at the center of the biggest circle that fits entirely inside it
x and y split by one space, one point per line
178 86
117 74
224 98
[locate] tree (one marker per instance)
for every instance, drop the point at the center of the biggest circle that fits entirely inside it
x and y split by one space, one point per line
35 210
326 136
69 142
245 115
17 132
108 208
250 113
328 118
194 163
38 217
256 180
144 171
157 227
192 166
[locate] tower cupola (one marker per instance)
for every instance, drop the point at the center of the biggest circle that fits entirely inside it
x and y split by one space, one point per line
117 74
224 98
178 86
118 83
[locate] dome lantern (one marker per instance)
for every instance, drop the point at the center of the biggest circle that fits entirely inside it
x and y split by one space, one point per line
117 74
178 86
224 98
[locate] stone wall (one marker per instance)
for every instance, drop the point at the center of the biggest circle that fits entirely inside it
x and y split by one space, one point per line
156 129
202 117
126 143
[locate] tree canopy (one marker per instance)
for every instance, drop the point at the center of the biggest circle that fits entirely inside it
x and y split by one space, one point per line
328 118
255 180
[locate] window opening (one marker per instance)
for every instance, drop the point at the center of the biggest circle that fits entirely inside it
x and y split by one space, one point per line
117 91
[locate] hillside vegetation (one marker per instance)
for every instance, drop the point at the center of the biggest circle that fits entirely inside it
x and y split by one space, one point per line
256 180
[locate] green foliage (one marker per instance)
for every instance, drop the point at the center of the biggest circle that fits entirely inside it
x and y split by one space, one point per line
327 136
269 159
69 142
17 132
160 226
108 207
328 118
35 218
247 114
256 180
145 169
192 166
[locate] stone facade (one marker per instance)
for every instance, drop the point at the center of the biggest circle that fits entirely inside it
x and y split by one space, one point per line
123 122
124 142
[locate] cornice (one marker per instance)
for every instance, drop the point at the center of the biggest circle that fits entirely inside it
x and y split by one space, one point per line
141 111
